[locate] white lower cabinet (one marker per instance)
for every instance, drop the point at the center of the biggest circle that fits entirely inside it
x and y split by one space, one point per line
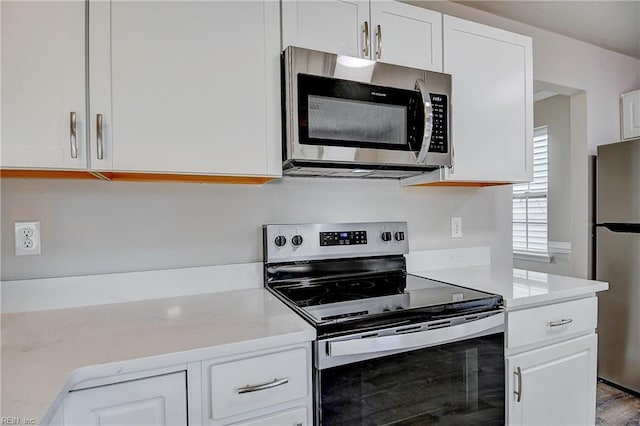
553 385
268 388
160 400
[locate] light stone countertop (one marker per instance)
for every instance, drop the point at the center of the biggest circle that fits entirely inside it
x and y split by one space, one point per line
519 288
46 353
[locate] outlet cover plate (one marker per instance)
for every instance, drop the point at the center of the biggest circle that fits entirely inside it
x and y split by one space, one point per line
27 238
456 227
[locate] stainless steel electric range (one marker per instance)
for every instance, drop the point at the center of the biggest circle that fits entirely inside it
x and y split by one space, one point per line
392 348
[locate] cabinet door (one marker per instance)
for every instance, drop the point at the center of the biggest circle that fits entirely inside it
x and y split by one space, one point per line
557 384
631 115
43 83
406 35
186 87
492 102
334 26
154 401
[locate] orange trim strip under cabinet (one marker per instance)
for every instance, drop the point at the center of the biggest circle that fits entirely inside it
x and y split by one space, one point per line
132 177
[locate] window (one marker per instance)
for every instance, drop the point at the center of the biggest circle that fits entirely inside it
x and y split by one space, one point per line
530 201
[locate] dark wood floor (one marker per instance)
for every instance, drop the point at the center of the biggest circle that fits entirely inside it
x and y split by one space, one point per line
615 407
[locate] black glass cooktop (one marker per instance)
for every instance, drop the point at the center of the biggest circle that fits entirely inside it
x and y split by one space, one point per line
341 290
373 301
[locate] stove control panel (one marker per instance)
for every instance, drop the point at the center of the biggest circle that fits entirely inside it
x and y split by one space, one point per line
343 238
299 242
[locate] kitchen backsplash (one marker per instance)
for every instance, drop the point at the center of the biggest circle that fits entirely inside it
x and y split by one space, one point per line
96 227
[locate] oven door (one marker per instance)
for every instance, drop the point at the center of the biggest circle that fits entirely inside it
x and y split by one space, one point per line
460 382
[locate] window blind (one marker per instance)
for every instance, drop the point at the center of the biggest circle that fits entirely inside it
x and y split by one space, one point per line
530 204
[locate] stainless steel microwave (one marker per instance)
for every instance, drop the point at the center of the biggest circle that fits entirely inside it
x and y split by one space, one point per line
353 117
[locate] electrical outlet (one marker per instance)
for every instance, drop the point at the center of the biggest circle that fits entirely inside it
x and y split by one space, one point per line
456 227
27 238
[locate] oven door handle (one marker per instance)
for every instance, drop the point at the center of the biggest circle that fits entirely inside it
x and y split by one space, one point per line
415 340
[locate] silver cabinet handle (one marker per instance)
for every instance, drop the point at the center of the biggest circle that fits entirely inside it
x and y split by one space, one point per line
379 37
518 393
561 322
428 121
99 145
365 30
263 386
73 134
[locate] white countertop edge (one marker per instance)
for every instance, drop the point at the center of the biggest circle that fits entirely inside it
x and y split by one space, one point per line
582 287
177 359
531 301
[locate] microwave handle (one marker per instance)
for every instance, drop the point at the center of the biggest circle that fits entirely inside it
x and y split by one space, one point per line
428 121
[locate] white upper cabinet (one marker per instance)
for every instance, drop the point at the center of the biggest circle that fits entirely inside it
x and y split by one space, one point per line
492 105
185 87
387 31
43 85
492 102
406 35
335 26
631 115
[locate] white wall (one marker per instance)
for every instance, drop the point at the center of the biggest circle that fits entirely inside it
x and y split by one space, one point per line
91 227
554 113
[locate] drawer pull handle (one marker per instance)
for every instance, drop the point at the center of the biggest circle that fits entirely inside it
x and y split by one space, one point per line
561 322
263 386
518 393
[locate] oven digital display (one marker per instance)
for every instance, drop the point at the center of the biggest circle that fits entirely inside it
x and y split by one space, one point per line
343 238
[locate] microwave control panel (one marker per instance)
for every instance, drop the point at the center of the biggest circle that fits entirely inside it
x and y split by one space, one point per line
439 135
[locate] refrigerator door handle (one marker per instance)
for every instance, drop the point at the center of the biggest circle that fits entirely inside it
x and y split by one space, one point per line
633 228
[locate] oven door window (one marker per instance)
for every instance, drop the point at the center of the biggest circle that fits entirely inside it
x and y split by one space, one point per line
345 113
460 383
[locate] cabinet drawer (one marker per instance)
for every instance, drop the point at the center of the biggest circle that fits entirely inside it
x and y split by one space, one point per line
245 385
537 325
295 417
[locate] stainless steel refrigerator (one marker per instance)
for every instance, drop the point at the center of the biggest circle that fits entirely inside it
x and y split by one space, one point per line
618 262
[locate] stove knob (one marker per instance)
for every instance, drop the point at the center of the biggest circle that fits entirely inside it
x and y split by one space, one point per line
399 236
296 240
386 236
280 240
